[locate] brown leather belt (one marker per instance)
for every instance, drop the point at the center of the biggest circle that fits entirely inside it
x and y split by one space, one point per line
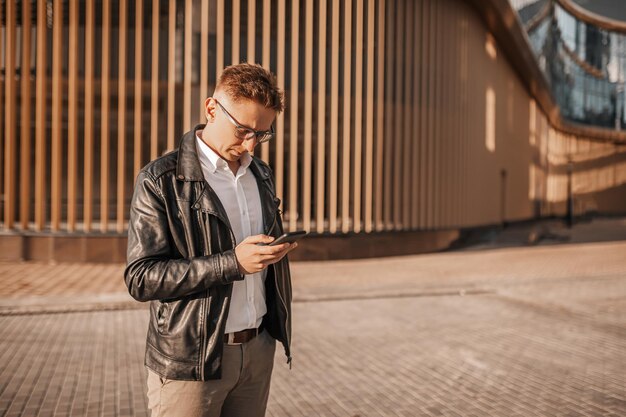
243 336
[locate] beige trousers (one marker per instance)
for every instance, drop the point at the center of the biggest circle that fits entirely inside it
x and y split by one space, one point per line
242 392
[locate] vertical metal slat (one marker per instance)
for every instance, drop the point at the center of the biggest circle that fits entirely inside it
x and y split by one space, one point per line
380 116
154 90
188 48
9 117
280 76
89 115
334 118
358 118
293 122
321 120
25 141
267 17
308 117
408 135
137 130
40 118
219 36
171 75
57 103
104 119
236 33
204 57
72 122
347 84
121 114
369 117
250 56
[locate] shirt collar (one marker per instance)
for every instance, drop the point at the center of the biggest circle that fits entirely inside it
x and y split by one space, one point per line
210 159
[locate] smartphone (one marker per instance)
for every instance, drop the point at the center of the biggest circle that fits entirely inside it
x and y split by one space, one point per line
289 237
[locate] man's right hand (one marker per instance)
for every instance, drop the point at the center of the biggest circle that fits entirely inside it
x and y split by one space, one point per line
254 254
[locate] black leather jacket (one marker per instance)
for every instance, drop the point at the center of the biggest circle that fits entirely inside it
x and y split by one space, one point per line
181 258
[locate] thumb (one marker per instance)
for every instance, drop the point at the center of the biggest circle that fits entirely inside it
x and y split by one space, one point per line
259 239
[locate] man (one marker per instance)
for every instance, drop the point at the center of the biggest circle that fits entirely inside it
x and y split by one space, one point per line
201 218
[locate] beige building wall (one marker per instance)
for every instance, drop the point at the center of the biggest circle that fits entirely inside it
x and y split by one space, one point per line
401 114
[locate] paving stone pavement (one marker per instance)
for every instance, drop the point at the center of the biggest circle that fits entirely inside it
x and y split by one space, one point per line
528 331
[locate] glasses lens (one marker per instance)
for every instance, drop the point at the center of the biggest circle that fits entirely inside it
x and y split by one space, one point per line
266 137
244 134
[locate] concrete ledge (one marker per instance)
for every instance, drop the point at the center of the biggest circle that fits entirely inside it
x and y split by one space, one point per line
63 248
112 248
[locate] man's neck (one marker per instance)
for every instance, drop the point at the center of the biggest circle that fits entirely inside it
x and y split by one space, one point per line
234 166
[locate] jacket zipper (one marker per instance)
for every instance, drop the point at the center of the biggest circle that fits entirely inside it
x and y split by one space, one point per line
204 301
281 298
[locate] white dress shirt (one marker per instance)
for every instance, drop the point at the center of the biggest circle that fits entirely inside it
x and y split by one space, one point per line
239 194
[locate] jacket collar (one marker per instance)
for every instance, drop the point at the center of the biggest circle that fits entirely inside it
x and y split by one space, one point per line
188 167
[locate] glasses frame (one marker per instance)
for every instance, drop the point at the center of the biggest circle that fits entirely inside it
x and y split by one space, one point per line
261 136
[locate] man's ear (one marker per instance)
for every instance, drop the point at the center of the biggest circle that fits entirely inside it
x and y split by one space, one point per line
209 109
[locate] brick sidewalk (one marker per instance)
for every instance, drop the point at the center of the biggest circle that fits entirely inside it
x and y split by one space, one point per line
483 355
539 331
514 331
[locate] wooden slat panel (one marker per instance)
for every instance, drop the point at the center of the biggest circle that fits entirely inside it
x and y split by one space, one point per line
369 117
437 113
438 189
408 131
250 56
154 90
293 122
334 117
121 113
444 116
267 33
236 34
321 119
358 118
72 122
104 136
455 97
25 141
188 48
432 79
417 103
308 117
219 36
2 120
89 115
137 118
40 118
171 75
280 79
380 115
10 133
57 103
398 136
424 51
464 119
347 91
389 120
204 58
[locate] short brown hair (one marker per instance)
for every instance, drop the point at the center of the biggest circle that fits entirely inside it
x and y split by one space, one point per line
252 82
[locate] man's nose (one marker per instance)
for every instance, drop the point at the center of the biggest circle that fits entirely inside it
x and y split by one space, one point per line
249 144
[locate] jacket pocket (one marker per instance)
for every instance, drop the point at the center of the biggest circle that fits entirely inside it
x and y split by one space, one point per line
175 329
162 317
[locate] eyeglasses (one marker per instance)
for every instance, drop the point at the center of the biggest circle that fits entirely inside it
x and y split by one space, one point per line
246 133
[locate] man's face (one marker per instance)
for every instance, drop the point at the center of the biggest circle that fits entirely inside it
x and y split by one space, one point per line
223 132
